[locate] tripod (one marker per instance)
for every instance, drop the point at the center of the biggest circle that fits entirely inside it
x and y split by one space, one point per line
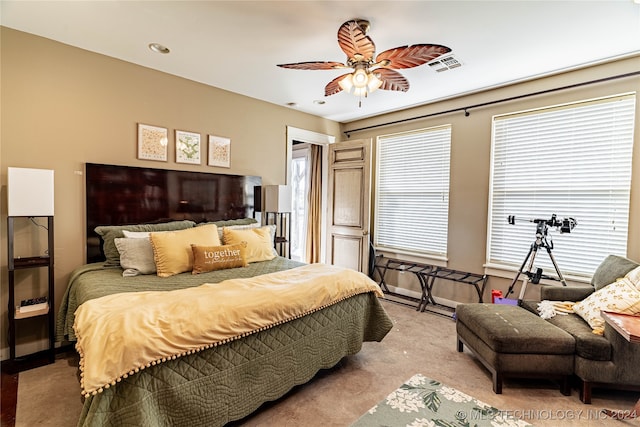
540 242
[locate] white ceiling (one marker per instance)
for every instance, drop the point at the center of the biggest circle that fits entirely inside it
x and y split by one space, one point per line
235 45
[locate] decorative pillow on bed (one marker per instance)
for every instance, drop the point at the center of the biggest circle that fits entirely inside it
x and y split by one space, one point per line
111 232
172 249
235 227
259 242
271 227
618 297
209 258
234 224
136 256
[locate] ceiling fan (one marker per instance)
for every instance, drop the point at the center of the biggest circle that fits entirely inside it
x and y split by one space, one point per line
370 74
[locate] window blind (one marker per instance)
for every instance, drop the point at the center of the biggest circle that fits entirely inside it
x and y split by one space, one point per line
412 191
571 160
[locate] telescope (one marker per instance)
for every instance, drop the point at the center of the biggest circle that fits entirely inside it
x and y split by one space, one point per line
565 225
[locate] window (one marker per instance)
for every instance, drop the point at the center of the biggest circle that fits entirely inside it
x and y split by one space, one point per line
412 191
570 160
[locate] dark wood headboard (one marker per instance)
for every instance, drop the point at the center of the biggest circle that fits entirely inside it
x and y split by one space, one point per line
120 195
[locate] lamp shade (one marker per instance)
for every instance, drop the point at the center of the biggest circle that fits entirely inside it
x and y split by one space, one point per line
29 192
277 198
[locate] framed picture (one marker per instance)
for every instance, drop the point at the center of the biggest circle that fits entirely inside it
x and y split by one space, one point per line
153 142
187 147
219 151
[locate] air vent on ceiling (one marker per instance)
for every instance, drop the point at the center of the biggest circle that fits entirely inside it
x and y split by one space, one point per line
446 63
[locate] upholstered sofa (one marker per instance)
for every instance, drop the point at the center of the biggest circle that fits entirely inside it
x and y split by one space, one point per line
600 360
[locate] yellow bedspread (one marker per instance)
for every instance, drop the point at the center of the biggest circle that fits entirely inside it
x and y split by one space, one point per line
120 334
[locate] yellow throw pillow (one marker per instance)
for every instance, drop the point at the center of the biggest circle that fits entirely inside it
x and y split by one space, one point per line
618 297
259 242
209 258
172 249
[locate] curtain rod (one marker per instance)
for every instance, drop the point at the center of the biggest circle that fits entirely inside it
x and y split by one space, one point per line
484 104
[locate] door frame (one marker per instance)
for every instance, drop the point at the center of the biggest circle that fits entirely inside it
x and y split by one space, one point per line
303 135
302 150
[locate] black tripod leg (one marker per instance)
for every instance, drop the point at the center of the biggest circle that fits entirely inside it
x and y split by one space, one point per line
515 279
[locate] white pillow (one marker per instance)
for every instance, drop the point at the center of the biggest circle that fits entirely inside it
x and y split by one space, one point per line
136 234
136 256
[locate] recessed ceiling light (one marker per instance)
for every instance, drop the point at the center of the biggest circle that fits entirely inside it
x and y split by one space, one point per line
319 102
291 104
157 47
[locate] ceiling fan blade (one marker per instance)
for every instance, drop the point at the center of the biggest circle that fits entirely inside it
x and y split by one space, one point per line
354 42
392 80
411 56
314 65
334 87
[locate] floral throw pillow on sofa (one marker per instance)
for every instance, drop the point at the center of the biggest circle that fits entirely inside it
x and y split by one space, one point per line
622 296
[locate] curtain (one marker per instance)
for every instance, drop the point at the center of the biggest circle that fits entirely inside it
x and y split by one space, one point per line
314 199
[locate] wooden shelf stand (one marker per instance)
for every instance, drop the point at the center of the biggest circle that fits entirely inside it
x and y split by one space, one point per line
47 313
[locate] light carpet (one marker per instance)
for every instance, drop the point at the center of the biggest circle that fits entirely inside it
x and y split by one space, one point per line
49 396
423 402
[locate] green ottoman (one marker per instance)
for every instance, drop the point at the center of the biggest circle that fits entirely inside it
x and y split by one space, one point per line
513 342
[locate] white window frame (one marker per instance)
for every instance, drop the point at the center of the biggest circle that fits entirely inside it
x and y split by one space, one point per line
577 169
421 161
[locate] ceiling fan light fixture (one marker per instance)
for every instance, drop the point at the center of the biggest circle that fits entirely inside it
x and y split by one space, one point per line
360 83
360 91
373 82
360 78
346 83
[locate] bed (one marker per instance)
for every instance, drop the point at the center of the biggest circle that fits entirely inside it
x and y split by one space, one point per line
229 378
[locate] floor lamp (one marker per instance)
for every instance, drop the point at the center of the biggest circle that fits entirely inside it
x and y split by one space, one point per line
278 202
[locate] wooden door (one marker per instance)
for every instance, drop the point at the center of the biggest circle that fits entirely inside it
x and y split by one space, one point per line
348 206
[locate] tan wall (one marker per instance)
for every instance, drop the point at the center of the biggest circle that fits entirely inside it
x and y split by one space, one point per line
63 107
470 161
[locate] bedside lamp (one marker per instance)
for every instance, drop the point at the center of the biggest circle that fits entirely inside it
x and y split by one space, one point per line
278 202
29 192
277 198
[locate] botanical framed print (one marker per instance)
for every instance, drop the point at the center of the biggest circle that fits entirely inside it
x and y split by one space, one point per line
219 151
153 142
187 147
